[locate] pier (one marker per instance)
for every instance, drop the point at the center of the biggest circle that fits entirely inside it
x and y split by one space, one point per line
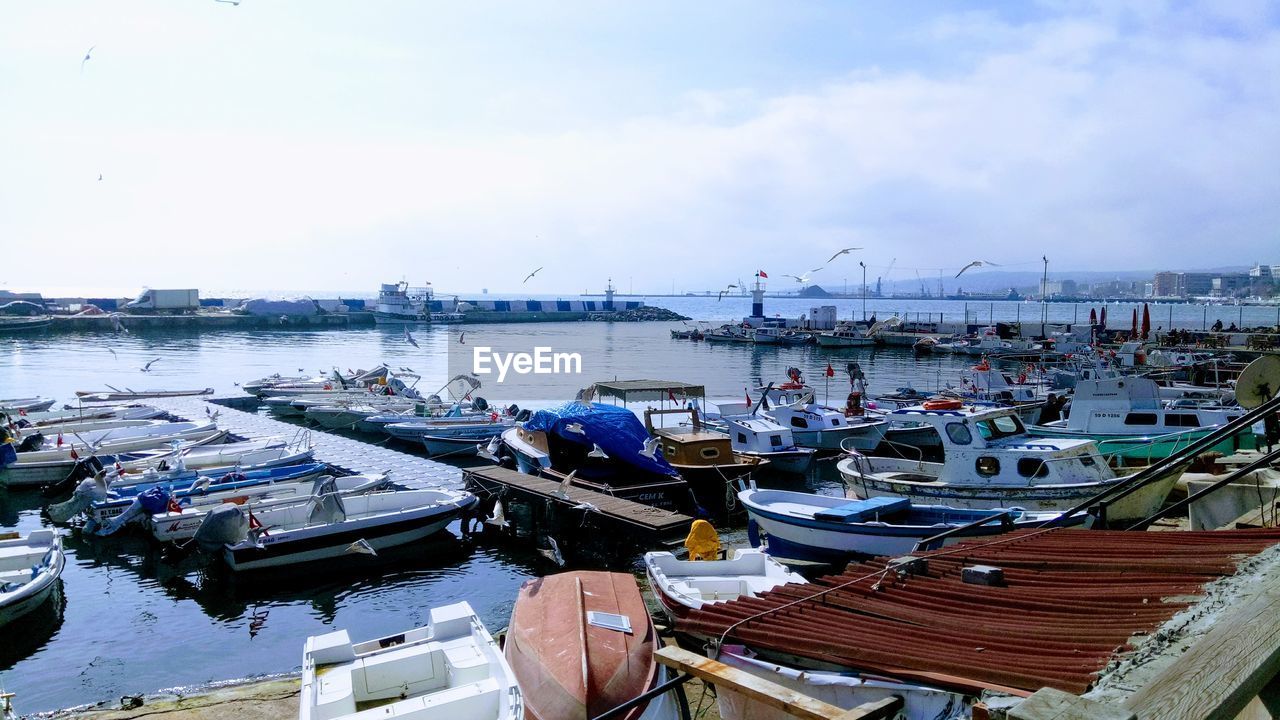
351 456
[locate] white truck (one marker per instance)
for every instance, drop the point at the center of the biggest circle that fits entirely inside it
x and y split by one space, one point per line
166 301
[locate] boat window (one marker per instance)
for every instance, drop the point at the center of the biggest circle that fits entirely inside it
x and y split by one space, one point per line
1140 419
835 422
671 451
999 426
710 453
1032 467
1181 420
799 422
987 466
742 438
775 440
959 433
1086 460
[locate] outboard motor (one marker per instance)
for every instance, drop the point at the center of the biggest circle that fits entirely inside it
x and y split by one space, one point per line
327 506
480 403
148 502
31 442
524 415
89 491
84 468
223 525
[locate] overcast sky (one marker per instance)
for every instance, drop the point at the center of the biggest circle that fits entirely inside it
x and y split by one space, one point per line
337 145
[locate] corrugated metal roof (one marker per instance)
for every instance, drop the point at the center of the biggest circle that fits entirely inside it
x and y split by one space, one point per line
1071 601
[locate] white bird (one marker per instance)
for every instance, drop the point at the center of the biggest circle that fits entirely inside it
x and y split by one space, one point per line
586 506
113 352
499 516
724 292
490 451
563 491
596 452
212 415
147 367
845 251
650 449
575 428
117 324
99 177
409 338
802 278
530 275
461 338
229 2
360 547
976 263
584 395
85 60
554 554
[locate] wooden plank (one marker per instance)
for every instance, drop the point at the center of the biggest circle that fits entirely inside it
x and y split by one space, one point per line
770 693
1224 670
1053 704
619 508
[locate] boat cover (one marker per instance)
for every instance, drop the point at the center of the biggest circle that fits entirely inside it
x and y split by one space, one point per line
616 430
263 306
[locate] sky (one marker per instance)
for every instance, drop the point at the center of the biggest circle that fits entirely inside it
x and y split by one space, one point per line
338 145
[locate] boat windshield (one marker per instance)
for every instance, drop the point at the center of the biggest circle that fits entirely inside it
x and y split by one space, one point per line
999 427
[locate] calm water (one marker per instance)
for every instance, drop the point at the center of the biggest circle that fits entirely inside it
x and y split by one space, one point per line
131 620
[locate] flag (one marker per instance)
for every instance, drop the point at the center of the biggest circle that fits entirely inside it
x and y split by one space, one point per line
762 273
744 392
671 395
22 412
831 372
59 439
74 454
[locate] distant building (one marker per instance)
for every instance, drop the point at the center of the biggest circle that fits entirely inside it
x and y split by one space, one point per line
1167 284
1183 284
1061 288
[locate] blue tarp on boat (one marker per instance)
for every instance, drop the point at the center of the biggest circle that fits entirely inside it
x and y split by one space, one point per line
616 430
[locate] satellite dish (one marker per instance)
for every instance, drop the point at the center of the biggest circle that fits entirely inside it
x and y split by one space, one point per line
1259 382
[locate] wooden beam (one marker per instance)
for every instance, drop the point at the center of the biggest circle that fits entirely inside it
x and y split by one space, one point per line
770 693
1052 704
1224 670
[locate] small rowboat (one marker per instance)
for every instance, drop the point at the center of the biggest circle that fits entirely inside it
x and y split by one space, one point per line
15 406
29 571
449 670
582 643
684 585
116 396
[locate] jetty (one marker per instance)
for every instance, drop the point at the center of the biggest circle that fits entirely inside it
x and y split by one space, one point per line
354 457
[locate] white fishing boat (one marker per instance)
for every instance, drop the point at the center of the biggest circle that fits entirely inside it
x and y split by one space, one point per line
846 334
348 415
826 428
989 461
399 304
49 418
29 571
55 459
451 669
127 394
684 585
826 528
280 385
763 437
184 515
328 527
23 405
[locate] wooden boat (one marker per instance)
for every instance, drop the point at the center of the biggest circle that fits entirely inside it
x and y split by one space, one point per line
805 526
29 571
23 324
451 669
581 643
116 395
684 585
762 437
328 527
698 453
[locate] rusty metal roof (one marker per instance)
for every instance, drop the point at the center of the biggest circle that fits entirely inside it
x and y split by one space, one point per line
1071 601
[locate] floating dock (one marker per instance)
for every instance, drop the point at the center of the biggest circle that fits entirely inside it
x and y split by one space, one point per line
352 456
585 523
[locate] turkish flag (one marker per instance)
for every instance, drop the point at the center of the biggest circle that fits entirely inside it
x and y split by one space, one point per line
831 372
762 273
59 439
744 392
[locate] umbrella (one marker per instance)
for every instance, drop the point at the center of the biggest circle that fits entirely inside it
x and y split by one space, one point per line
1146 321
1102 319
1134 332
1093 316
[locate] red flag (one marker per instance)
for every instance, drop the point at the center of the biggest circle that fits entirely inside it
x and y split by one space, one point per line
22 412
74 454
744 392
671 395
59 439
762 273
173 506
831 372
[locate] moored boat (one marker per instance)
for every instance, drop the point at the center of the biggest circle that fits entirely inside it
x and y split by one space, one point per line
451 669
29 570
24 405
118 396
683 585
55 459
762 437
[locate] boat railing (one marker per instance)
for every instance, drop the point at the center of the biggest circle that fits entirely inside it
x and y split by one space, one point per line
1004 517
896 446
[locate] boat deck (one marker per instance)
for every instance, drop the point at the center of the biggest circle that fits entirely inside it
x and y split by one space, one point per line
656 523
353 456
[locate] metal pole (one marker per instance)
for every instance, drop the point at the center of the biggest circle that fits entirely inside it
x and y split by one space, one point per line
644 698
1204 324
864 290
1261 462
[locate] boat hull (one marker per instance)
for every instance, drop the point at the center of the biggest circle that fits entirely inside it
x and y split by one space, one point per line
828 341
437 445
860 437
1147 448
15 604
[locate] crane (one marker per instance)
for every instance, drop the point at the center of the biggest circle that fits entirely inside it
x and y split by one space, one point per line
887 270
924 293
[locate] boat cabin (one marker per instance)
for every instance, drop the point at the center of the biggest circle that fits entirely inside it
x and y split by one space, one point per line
759 435
1134 406
992 385
691 445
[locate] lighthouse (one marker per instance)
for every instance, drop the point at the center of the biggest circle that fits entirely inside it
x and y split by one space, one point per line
757 298
608 296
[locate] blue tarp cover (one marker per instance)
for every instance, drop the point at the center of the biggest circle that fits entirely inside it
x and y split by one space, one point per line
617 431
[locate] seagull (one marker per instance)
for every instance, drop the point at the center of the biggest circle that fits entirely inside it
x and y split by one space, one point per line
802 278
360 547
562 492
461 340
491 450
147 367
596 452
118 325
499 516
530 275
724 292
575 428
553 554
85 60
976 263
212 415
585 394
99 177
409 338
650 449
845 251
586 506
113 352
229 2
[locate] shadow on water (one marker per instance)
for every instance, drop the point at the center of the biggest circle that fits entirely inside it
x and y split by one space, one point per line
39 627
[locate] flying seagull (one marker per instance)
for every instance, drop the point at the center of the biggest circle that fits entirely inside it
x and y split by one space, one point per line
530 275
724 292
85 60
361 547
409 338
565 484
229 2
462 338
802 278
845 251
575 428
650 449
99 177
147 367
976 263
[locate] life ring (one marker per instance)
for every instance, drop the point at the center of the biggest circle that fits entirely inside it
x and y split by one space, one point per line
791 386
982 367
943 404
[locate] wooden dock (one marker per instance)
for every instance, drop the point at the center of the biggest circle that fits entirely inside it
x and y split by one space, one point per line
584 522
352 456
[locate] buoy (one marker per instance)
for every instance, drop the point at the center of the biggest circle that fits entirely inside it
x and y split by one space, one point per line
946 404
